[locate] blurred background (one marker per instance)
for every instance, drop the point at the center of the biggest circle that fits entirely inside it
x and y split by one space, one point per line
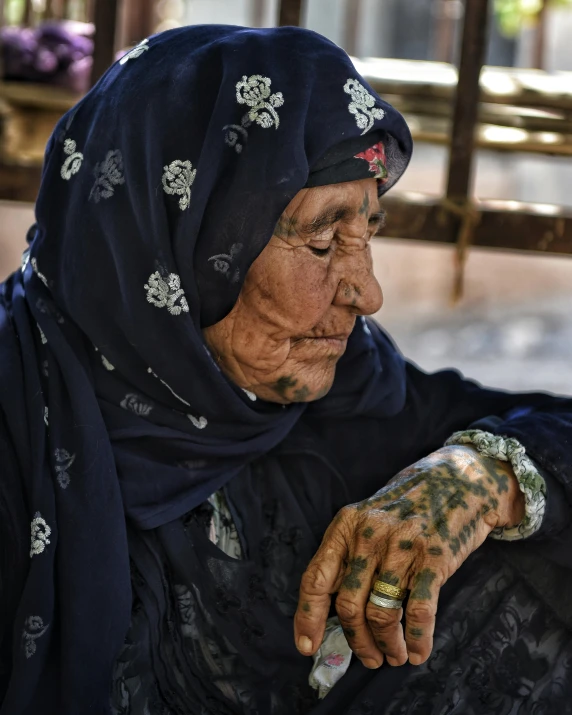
511 323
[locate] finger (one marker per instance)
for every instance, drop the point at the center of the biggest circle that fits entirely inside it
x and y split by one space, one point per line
385 623
320 580
351 603
421 612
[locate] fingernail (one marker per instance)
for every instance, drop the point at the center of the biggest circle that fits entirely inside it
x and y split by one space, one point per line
371 663
415 659
305 645
391 660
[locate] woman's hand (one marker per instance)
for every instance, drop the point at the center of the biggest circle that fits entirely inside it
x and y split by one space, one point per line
414 533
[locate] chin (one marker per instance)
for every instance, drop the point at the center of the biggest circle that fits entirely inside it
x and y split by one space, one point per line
314 389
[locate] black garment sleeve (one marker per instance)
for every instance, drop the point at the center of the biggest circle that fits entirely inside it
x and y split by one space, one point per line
371 451
558 514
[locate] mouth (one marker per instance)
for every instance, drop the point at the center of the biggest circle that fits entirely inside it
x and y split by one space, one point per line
331 343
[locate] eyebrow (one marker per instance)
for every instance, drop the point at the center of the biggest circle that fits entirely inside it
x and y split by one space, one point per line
333 215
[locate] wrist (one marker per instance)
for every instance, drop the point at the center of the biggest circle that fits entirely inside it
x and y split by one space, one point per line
503 486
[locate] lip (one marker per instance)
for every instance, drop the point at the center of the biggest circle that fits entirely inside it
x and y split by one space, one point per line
335 342
343 337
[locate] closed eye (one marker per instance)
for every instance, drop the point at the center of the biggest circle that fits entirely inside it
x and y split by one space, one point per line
377 221
320 251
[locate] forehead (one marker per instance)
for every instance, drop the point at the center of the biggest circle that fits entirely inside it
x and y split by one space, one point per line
350 195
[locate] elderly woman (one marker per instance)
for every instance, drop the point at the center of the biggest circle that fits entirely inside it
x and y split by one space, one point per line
241 498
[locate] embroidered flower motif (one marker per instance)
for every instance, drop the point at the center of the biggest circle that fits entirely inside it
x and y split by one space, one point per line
234 132
40 533
34 628
109 174
375 155
166 293
136 52
73 161
223 262
254 91
250 395
198 422
45 371
64 460
178 177
362 105
46 414
136 405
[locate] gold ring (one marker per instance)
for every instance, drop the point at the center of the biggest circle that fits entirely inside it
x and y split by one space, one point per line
388 590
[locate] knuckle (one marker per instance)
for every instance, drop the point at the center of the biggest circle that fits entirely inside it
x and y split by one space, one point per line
421 612
347 511
347 610
382 618
314 580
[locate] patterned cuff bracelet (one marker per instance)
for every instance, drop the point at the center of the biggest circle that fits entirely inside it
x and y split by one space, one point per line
530 481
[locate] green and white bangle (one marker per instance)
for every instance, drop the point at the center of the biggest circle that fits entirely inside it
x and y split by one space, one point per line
531 482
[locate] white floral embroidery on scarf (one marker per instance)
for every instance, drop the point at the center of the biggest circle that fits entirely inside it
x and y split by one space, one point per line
198 422
234 132
46 415
223 262
254 91
109 174
166 293
64 461
136 52
40 533
42 335
362 105
178 177
136 404
250 395
41 276
73 161
34 628
45 371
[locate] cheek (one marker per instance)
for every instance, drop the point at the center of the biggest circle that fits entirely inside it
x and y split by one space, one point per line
300 288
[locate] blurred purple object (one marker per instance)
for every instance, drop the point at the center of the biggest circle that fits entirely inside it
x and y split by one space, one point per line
58 53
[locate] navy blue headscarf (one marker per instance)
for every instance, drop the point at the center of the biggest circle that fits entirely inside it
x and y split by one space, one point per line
160 188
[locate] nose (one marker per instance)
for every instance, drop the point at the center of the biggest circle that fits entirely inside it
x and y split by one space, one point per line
358 288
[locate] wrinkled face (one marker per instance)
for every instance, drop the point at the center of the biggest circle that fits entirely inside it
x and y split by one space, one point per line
299 302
